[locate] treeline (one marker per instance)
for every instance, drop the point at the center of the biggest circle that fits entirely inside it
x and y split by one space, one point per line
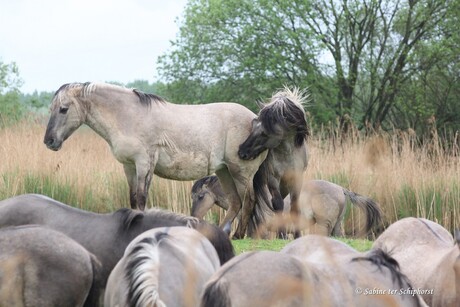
370 65
380 64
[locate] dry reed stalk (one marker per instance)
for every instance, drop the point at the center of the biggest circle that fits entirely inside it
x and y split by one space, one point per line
403 178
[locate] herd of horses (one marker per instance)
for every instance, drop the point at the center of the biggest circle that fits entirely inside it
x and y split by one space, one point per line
52 254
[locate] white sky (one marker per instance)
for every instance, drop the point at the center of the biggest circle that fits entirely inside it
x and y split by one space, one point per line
60 41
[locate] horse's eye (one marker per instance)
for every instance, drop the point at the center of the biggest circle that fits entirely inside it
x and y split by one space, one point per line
200 197
63 110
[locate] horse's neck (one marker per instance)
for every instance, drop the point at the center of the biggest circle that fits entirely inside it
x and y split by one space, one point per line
103 113
222 201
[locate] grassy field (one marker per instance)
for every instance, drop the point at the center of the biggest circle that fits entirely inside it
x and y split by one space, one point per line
404 179
248 245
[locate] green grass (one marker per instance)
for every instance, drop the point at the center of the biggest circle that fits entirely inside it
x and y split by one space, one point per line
247 245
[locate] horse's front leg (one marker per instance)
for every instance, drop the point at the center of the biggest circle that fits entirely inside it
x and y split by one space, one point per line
295 212
130 172
144 173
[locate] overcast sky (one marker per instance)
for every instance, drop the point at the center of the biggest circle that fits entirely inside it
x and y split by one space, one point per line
60 41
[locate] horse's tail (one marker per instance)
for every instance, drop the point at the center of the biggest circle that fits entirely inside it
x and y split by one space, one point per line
97 285
370 207
219 239
263 204
216 294
142 272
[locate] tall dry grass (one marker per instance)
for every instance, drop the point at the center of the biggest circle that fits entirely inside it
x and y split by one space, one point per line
83 173
405 179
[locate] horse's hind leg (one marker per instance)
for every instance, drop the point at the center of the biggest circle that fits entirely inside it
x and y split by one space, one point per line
229 188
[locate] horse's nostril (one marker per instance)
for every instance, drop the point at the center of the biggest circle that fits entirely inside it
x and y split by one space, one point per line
49 141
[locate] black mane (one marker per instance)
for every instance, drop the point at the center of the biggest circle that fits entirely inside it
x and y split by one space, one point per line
382 259
284 112
127 217
146 98
208 180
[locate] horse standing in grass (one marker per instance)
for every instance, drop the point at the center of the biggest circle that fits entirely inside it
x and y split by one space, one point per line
104 235
322 204
149 135
40 267
165 266
281 127
428 255
346 277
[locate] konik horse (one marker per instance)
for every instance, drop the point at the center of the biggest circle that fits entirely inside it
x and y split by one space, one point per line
41 267
104 235
149 135
281 127
166 266
428 255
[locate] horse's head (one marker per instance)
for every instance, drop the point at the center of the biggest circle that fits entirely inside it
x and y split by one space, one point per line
67 114
282 119
260 139
203 196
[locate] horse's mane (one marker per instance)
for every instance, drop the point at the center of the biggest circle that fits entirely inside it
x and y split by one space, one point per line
212 181
78 89
286 109
146 99
142 272
187 220
381 259
128 217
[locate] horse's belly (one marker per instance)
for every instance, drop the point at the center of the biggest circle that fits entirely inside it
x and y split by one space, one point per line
183 166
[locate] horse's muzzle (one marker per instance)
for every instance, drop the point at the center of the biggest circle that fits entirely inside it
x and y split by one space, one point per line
52 144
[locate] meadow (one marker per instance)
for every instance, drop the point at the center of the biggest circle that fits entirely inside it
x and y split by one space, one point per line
404 178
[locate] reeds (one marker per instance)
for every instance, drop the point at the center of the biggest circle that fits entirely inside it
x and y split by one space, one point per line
406 179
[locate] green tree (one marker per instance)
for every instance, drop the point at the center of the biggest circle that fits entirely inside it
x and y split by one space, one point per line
357 57
10 108
240 51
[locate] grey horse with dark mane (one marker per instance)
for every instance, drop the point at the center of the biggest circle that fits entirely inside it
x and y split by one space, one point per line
41 267
166 266
281 127
104 235
346 277
428 255
149 135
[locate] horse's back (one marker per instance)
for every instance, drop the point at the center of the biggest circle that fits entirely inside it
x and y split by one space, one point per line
261 278
422 249
42 267
170 263
412 233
